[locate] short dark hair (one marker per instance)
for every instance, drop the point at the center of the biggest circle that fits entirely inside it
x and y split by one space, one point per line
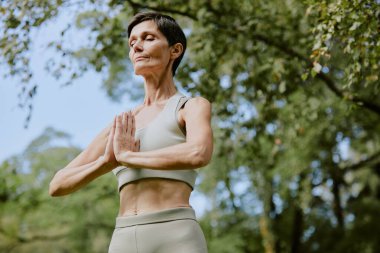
167 26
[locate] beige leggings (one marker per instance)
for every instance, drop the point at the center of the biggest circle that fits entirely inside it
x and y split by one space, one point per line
168 231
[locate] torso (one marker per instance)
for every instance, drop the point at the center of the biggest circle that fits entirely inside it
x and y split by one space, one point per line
153 194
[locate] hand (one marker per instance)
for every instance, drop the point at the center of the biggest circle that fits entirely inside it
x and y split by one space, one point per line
109 155
124 138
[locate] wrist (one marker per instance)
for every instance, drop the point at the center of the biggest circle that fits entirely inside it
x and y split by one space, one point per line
123 158
106 164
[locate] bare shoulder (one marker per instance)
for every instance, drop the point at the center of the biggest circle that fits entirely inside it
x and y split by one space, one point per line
197 105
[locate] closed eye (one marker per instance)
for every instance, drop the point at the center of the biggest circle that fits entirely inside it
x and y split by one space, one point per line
149 37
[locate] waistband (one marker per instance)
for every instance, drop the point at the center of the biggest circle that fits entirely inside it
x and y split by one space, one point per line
181 213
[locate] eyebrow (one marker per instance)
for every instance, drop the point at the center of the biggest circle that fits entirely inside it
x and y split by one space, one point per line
144 33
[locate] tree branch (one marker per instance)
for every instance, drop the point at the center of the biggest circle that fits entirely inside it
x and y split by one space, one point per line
328 81
280 45
345 95
135 5
337 206
365 162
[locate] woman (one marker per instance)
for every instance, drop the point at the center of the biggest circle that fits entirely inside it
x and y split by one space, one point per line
153 150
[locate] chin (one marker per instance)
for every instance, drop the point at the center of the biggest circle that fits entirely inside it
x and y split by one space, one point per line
139 72
144 70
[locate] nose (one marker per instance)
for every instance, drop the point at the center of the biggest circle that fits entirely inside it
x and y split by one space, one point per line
137 46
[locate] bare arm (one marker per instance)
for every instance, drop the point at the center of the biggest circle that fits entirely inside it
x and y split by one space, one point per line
194 153
96 160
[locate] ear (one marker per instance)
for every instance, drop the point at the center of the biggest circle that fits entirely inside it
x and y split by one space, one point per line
176 50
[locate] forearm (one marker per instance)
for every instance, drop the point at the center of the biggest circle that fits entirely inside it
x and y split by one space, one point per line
70 179
180 156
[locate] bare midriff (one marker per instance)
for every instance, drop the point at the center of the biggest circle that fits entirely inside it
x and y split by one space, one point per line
153 194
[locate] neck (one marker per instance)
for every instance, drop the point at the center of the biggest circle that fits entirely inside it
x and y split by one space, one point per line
158 88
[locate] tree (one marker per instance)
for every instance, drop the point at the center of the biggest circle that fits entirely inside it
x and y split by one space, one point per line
295 93
31 220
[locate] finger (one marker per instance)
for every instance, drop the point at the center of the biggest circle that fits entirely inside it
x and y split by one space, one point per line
129 123
124 121
133 125
118 127
134 146
118 122
129 138
128 126
113 128
113 124
110 136
117 134
137 145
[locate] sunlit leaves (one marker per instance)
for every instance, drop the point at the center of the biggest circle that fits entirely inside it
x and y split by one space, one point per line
352 26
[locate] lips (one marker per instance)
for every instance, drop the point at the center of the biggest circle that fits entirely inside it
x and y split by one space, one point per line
140 58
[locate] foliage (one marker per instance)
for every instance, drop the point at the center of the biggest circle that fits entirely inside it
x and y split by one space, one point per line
295 92
30 220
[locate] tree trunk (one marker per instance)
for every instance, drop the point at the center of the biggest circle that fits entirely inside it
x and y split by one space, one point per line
266 233
297 230
265 220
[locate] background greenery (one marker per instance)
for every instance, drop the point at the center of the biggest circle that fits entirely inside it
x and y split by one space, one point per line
296 115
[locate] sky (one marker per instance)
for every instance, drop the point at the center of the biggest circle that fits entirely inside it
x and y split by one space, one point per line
81 110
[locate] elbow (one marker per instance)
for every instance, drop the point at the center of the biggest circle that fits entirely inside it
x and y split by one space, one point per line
55 187
201 156
54 190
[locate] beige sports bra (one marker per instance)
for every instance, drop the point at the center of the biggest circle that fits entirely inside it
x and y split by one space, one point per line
162 132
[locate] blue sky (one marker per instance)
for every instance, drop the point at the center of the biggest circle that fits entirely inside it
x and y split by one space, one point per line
81 109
